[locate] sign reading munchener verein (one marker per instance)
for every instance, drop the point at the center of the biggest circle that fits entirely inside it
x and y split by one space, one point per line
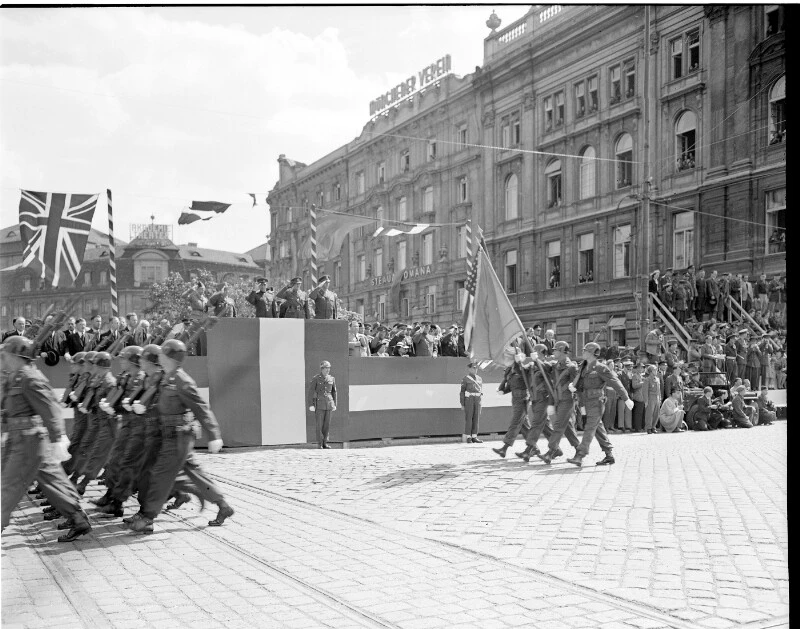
417 271
410 86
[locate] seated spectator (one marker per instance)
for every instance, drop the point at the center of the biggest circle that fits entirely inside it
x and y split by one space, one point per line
671 414
742 412
402 348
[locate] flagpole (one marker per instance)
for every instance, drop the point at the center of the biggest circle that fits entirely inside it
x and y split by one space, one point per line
112 263
313 225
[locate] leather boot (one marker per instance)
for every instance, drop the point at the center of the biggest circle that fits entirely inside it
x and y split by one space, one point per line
103 500
35 489
131 518
501 450
607 460
557 453
526 454
141 524
66 524
181 498
81 488
476 440
576 460
53 515
45 503
113 508
547 457
224 512
49 509
325 445
80 526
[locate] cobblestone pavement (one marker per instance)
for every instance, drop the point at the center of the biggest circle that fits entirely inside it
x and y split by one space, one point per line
686 530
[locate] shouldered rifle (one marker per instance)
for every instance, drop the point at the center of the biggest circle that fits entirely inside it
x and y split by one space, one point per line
57 320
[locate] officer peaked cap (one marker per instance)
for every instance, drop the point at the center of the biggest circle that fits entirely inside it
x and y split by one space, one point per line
324 278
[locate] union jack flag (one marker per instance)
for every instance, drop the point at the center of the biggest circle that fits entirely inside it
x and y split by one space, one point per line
55 228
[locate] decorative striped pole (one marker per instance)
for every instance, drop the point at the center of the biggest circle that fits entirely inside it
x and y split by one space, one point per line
112 263
469 245
313 224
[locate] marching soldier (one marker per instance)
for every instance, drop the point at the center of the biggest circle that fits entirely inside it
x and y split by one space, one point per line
76 373
106 426
83 448
322 402
263 300
514 383
325 300
542 403
470 398
589 384
296 305
563 372
130 378
28 403
178 394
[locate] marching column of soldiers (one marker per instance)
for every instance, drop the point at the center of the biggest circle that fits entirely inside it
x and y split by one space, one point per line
138 427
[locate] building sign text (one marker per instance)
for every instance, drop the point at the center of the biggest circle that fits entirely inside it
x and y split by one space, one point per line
411 85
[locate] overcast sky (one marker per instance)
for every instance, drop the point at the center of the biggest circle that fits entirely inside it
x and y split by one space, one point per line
169 105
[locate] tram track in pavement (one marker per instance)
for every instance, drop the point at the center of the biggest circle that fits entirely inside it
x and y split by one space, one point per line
617 602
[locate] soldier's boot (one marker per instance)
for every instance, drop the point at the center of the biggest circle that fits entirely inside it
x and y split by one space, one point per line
103 500
66 524
576 460
113 508
35 489
501 450
326 445
74 478
53 515
558 453
81 488
131 518
49 509
224 512
527 453
141 524
80 526
607 460
44 503
547 457
181 498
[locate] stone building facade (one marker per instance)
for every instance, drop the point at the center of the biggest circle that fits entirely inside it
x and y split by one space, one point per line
544 147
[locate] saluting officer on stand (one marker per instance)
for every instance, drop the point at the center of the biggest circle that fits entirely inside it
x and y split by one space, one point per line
28 402
322 401
590 384
325 300
263 300
296 305
178 394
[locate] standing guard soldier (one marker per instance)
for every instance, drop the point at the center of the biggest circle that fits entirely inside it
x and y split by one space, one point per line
178 394
514 383
106 426
589 385
470 398
707 356
741 353
28 402
263 300
731 370
325 300
322 402
296 304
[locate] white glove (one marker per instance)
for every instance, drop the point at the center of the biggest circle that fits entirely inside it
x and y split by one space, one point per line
83 409
139 408
311 408
518 357
126 404
68 356
333 407
73 397
215 445
629 404
104 406
499 392
551 410
43 354
572 388
60 449
534 355
583 410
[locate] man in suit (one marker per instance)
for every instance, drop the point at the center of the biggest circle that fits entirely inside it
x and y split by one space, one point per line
110 336
93 333
76 341
707 353
18 329
674 383
55 342
747 292
322 401
325 300
712 295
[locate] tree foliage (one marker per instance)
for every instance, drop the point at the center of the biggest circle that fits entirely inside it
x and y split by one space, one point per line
166 301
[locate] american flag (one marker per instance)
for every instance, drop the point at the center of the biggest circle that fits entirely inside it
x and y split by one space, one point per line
467 321
55 228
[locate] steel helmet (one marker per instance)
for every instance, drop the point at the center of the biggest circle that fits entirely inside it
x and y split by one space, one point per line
540 348
132 353
174 349
102 359
18 346
89 357
592 347
562 346
150 353
77 359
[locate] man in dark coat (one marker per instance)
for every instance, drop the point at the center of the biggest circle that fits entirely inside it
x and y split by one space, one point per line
263 300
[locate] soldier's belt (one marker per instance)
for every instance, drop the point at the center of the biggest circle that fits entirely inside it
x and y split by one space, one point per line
22 423
468 394
173 420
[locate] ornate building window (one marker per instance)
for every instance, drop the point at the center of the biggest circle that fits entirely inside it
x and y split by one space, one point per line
682 239
776 221
585 258
777 111
511 271
580 99
553 175
587 173
511 197
624 155
622 251
685 140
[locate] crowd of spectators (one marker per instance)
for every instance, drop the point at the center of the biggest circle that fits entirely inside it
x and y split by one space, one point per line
405 341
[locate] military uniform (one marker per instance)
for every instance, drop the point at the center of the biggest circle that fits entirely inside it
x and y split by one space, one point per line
104 434
28 403
731 370
322 396
84 450
651 392
590 386
296 304
265 304
325 303
741 359
541 399
563 374
177 395
81 420
514 382
470 397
